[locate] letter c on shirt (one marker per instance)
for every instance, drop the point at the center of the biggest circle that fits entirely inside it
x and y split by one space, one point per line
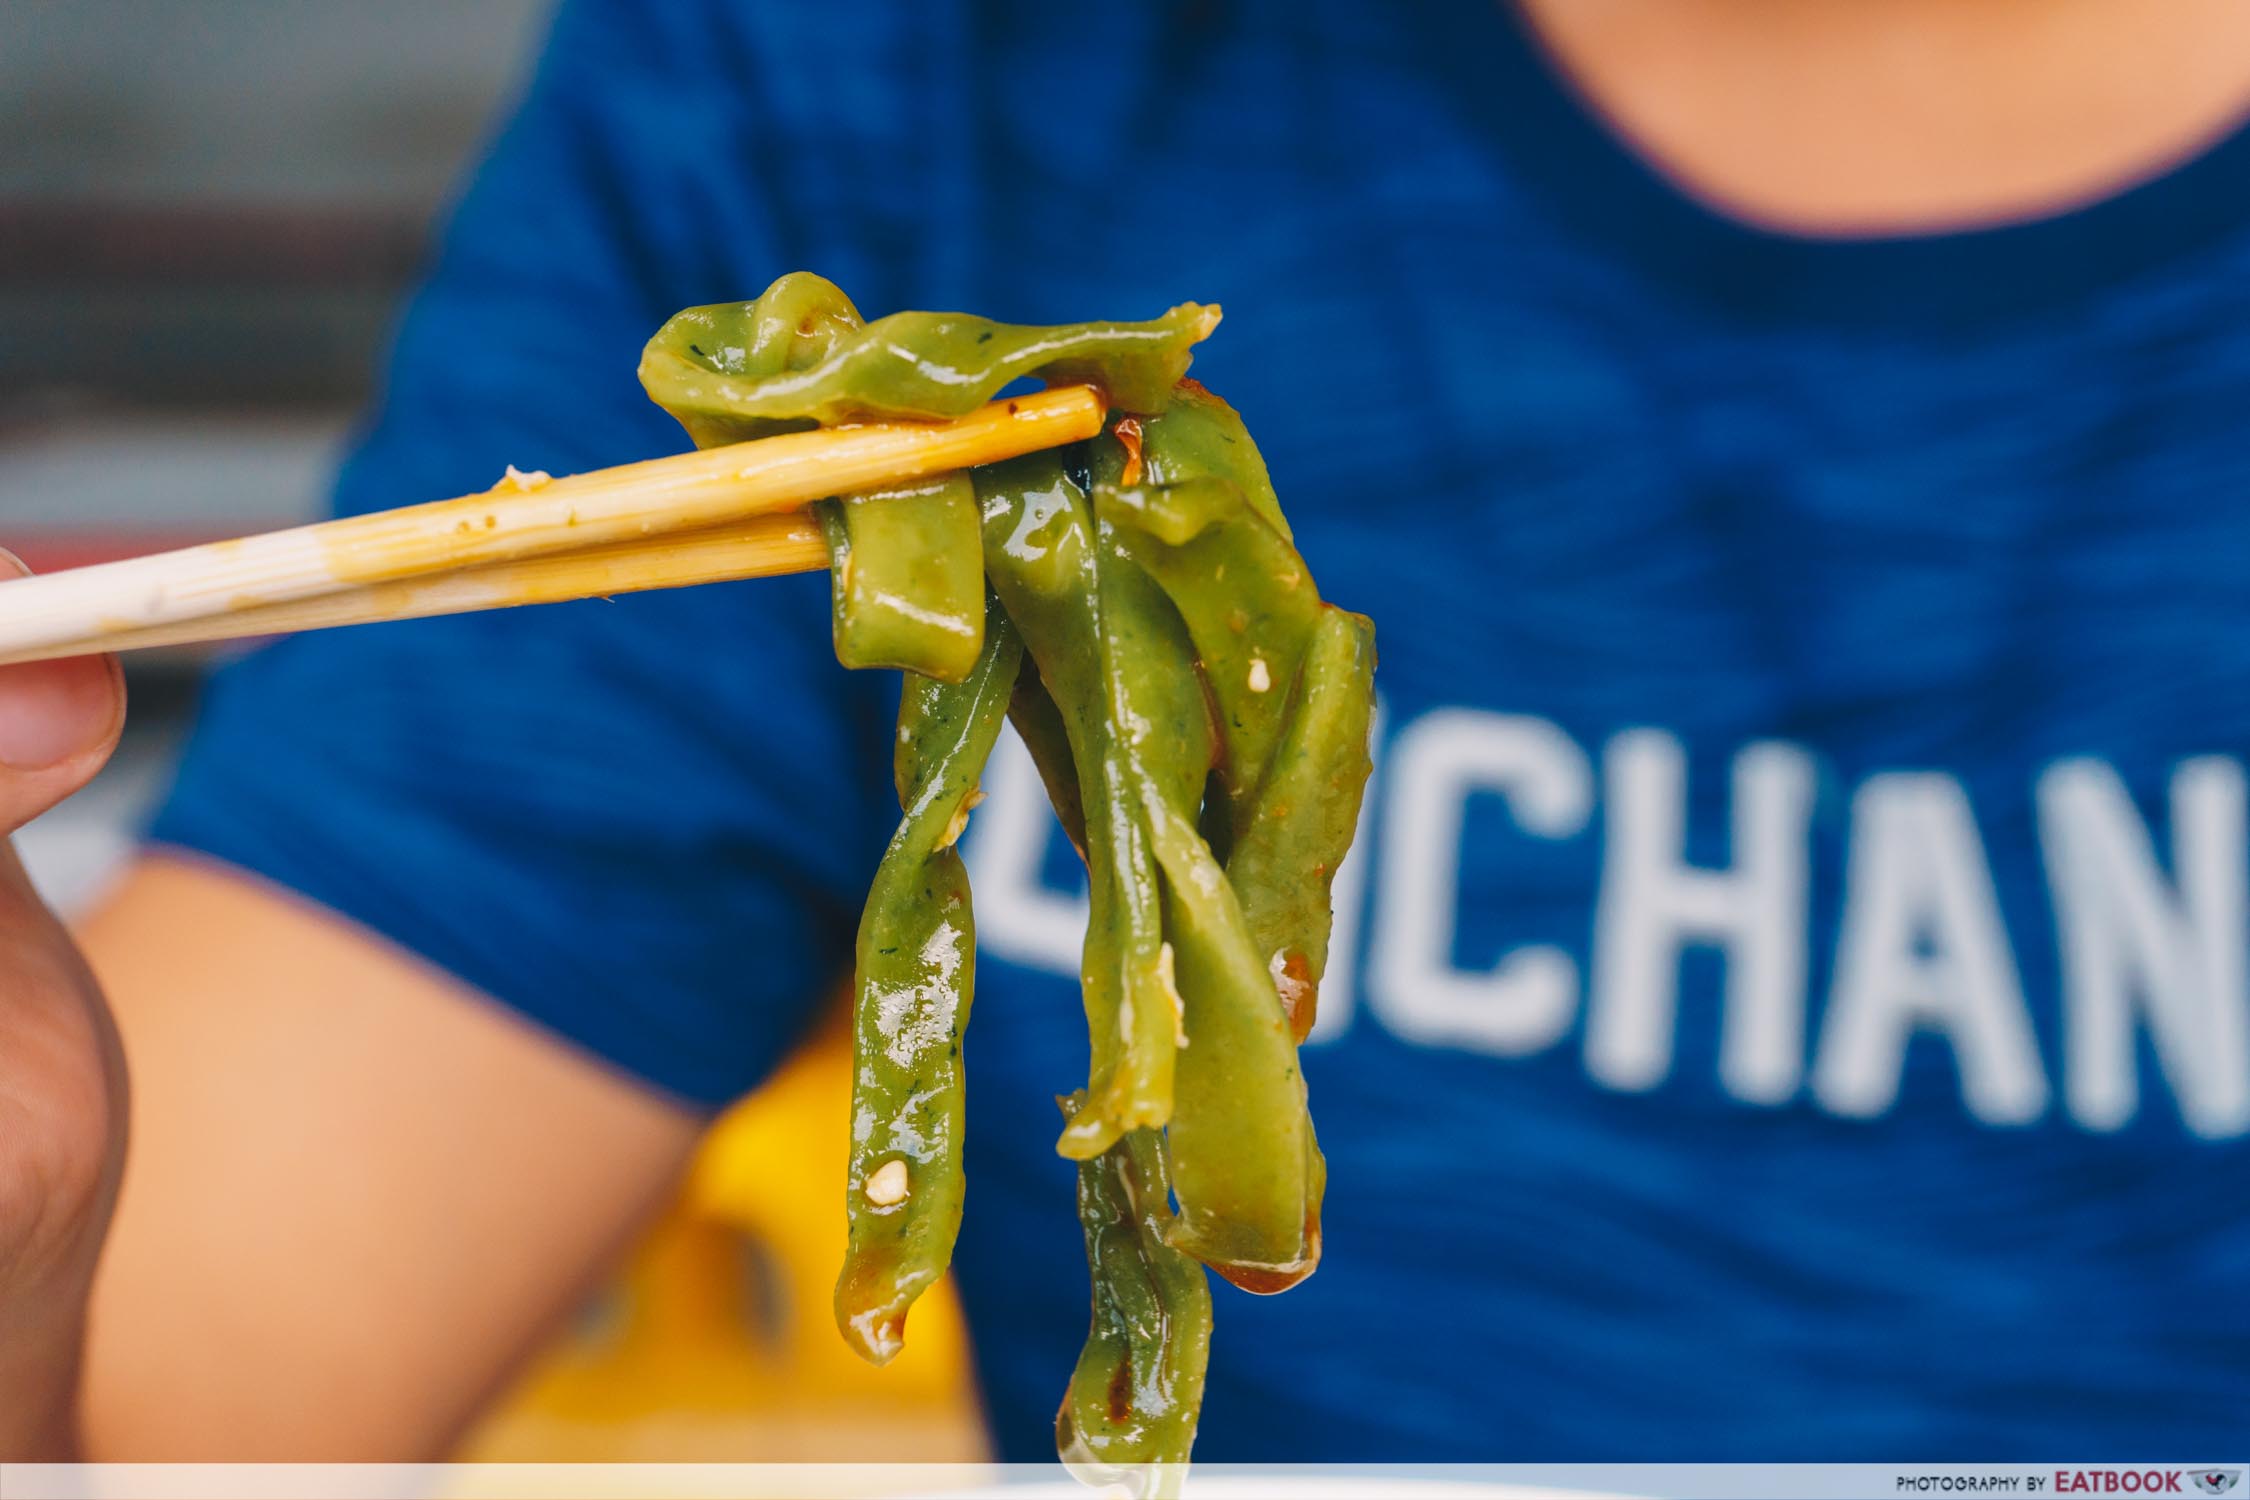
1525 1002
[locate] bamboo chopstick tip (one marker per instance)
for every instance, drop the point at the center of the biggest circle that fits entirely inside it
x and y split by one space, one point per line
388 564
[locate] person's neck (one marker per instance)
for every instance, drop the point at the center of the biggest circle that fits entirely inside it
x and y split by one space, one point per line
1840 117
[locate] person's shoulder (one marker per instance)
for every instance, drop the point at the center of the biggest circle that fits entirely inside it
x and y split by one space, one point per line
789 46
808 88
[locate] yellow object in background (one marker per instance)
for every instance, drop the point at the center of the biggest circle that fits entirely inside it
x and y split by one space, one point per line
717 1343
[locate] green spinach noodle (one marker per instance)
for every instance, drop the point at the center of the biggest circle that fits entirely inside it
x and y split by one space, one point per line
1135 604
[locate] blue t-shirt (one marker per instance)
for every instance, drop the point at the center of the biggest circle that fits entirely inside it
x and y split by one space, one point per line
1789 997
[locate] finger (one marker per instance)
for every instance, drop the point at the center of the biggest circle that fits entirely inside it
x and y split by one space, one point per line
59 720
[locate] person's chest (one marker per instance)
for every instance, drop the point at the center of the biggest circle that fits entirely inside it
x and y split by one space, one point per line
1750 953
1804 872
1801 714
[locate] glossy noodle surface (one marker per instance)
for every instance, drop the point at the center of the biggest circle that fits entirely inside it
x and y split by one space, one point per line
1136 605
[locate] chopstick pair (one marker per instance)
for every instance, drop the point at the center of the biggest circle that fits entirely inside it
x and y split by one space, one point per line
723 513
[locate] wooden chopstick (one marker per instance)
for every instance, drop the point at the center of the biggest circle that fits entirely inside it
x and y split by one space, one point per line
761 547
616 526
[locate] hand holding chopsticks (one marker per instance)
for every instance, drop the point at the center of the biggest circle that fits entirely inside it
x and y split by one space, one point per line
721 513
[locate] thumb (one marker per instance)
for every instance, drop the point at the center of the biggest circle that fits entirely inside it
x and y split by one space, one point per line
58 722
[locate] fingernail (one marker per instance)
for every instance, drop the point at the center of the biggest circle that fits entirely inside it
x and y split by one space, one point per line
52 710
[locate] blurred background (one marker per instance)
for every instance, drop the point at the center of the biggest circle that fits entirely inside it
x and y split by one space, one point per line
208 212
